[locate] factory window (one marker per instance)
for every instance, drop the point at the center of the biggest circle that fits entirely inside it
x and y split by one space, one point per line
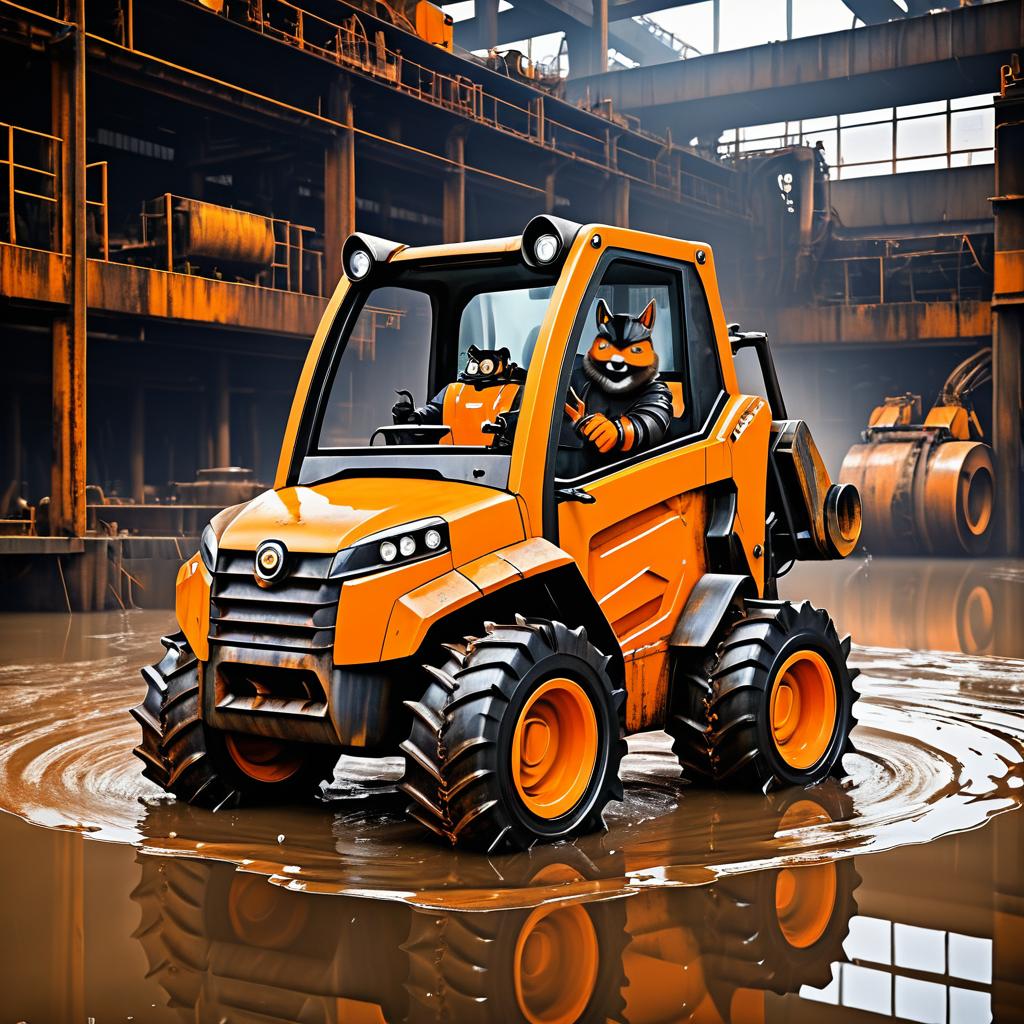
923 136
911 973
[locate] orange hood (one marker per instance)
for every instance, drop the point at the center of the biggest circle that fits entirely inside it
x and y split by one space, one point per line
328 517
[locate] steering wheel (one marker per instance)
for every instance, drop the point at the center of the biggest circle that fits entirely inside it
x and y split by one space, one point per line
411 433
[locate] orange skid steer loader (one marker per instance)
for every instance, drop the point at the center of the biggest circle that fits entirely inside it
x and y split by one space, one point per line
575 537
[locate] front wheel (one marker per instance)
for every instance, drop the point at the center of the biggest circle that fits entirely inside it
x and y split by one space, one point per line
209 768
516 740
772 704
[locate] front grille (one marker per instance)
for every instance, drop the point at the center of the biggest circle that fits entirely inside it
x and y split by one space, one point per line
295 616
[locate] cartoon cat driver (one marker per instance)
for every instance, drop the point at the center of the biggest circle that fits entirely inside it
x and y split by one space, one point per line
616 403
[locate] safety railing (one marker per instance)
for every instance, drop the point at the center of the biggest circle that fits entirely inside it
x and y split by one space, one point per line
96 183
29 166
954 272
347 43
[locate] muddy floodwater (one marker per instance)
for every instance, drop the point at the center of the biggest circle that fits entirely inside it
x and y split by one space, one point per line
894 893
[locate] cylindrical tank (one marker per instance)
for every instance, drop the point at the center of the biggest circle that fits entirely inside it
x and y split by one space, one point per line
921 494
230 236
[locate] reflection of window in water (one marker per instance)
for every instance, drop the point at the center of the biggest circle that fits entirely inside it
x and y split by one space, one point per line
911 973
388 350
509 319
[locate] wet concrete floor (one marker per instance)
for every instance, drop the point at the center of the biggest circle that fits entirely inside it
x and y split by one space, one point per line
897 893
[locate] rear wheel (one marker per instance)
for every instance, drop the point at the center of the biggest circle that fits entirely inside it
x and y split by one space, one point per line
771 704
517 739
208 767
559 963
778 930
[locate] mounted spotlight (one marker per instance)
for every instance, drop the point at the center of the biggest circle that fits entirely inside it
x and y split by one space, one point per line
362 254
546 241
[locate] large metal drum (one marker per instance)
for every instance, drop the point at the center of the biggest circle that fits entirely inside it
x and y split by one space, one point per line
922 494
226 235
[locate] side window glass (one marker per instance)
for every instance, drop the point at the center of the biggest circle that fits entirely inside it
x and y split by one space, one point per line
705 371
627 392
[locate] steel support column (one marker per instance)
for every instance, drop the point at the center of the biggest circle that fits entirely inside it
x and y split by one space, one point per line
68 369
222 441
599 38
486 13
1008 308
339 182
617 201
138 446
454 199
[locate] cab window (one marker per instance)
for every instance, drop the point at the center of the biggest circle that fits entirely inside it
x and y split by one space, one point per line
388 350
507 319
684 344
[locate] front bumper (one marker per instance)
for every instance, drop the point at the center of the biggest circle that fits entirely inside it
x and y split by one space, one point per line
270 669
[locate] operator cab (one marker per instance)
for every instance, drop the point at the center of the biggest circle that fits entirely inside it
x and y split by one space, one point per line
432 351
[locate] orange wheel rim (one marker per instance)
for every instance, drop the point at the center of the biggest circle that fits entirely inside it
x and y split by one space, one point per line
554 748
805 899
263 915
803 709
977 494
977 620
556 964
262 758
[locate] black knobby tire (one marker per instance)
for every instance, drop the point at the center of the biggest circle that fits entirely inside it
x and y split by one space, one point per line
687 723
468 967
458 758
184 757
750 946
171 896
721 726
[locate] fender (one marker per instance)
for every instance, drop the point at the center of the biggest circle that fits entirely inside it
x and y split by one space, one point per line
542 578
706 607
414 614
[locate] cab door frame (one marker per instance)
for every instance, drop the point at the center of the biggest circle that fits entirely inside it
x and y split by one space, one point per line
673 478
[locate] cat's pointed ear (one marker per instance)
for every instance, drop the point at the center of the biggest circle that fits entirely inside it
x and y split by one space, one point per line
647 316
473 352
604 314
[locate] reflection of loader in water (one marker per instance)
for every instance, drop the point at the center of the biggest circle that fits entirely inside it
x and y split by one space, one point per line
230 946
927 487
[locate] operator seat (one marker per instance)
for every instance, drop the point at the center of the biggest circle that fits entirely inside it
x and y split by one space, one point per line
468 406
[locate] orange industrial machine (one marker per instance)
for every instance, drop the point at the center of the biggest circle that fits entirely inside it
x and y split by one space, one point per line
927 487
576 538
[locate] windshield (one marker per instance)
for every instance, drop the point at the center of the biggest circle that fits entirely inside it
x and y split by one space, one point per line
431 365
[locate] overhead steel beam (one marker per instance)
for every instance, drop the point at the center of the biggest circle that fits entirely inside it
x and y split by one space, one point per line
530 18
637 42
955 53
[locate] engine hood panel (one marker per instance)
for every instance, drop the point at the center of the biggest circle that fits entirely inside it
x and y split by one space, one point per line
326 517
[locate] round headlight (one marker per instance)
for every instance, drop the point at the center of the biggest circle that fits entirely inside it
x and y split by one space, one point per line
545 249
359 264
270 561
407 546
432 539
388 551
